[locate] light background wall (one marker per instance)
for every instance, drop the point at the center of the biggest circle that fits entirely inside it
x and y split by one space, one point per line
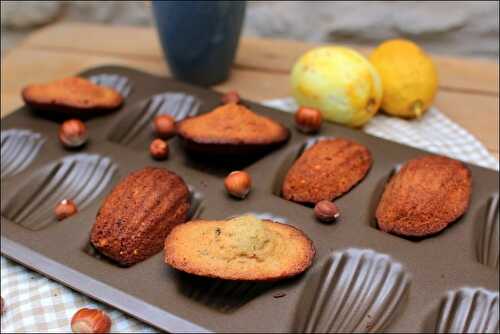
457 28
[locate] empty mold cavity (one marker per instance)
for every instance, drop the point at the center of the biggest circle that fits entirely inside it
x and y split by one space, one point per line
117 82
290 160
196 199
222 295
352 291
81 177
135 127
487 234
467 310
19 149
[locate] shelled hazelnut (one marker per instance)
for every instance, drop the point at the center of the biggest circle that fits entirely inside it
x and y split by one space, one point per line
230 97
308 120
87 320
326 211
73 133
158 149
164 126
238 184
66 208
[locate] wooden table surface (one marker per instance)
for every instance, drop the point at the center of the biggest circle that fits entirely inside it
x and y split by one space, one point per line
468 94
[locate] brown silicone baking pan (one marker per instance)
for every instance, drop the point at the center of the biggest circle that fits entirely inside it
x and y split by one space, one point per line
362 279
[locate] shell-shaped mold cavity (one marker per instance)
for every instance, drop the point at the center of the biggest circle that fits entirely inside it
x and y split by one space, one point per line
487 238
221 295
196 199
468 310
19 149
80 177
117 82
352 291
136 124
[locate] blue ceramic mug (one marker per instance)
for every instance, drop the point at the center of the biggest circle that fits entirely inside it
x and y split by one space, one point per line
199 38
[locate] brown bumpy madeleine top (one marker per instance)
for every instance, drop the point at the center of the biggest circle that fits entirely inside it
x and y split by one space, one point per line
138 214
326 170
232 124
425 196
243 248
71 93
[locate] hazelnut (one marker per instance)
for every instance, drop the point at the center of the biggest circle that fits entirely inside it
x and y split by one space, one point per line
230 97
308 120
66 208
238 184
326 211
158 149
73 133
88 320
164 126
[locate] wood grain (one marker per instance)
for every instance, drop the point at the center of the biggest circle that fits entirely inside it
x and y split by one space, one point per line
266 55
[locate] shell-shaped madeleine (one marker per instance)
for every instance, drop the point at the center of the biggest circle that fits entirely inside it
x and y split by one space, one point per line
468 310
487 238
352 291
81 178
19 148
139 213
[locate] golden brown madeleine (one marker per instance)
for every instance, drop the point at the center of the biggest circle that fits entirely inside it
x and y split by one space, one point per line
326 170
231 128
243 248
425 196
71 94
138 214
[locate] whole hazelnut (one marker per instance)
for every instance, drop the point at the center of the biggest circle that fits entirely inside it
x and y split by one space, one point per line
73 133
230 97
326 211
238 184
164 126
308 120
66 208
158 149
87 320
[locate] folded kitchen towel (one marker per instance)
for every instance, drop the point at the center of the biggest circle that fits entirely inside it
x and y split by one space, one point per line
35 303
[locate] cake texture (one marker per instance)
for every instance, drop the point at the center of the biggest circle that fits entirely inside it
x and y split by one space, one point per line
326 170
231 129
424 197
138 214
242 248
72 96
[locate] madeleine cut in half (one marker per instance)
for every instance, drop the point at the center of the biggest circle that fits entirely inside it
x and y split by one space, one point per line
72 96
231 129
424 197
243 248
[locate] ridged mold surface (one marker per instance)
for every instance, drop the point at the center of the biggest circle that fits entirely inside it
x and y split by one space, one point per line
117 82
487 241
352 291
18 149
137 123
468 310
80 177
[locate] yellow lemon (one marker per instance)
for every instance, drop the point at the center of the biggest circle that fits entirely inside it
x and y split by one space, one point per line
409 77
339 82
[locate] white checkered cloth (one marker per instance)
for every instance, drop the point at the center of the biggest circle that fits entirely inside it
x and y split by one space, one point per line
34 303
